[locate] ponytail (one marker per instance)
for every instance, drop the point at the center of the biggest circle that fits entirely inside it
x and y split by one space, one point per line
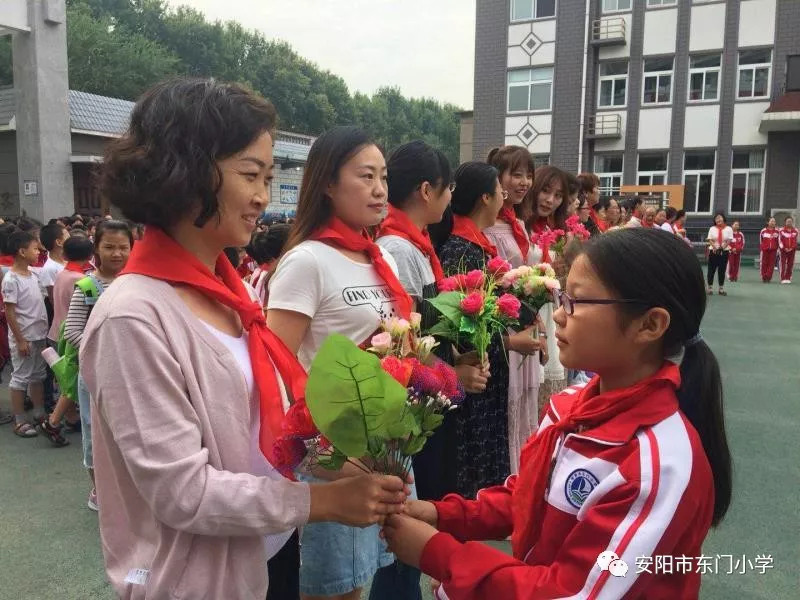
659 269
700 399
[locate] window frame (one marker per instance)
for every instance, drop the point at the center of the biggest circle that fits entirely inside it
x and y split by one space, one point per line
605 190
650 174
529 84
698 173
753 68
540 160
748 171
614 79
534 4
608 11
658 75
661 3
704 71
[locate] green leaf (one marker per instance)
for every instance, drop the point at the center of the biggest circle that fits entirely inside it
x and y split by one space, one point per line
414 445
445 329
352 399
332 462
449 304
432 421
467 325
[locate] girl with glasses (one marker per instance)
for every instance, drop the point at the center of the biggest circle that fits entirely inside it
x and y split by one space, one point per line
636 463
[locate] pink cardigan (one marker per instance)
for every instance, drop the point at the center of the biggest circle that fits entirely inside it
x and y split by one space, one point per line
170 427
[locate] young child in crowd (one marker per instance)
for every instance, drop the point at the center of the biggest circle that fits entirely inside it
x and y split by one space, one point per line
27 330
634 464
736 248
787 243
52 237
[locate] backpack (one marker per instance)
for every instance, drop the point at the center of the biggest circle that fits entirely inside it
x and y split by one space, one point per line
66 368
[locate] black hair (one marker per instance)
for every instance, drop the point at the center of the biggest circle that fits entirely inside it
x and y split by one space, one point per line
631 202
50 234
6 229
412 164
662 271
28 224
109 227
164 167
473 180
78 231
78 249
267 245
672 213
661 209
18 240
720 214
680 214
233 255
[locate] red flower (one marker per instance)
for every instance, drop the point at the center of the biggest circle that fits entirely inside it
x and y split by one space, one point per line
572 221
474 279
289 452
298 422
398 368
498 266
448 284
509 306
472 305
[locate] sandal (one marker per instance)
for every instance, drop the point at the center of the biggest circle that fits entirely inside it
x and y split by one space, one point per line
722 293
54 434
710 292
25 430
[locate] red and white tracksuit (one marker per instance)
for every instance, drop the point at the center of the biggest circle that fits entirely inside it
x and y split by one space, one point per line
787 242
735 259
769 251
639 492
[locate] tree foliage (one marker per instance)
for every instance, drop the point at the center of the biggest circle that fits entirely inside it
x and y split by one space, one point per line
120 47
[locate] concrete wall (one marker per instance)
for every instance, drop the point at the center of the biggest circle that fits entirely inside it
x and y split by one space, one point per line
491 55
88 144
9 188
466 138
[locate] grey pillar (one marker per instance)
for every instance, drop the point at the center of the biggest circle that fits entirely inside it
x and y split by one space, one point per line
635 77
42 115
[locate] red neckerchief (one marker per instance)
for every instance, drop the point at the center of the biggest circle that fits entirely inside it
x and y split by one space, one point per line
397 223
538 227
6 260
77 267
601 225
158 256
464 227
606 415
720 229
507 214
42 259
674 229
339 234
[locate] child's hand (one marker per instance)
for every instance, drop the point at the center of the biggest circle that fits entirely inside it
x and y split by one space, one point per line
422 511
407 538
24 348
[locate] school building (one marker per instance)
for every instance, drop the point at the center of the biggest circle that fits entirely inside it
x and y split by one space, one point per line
704 93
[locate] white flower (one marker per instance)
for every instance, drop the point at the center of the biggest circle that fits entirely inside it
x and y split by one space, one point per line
425 345
416 320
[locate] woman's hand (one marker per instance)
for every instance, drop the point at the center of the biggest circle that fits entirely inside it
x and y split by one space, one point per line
422 511
474 379
358 501
524 341
407 538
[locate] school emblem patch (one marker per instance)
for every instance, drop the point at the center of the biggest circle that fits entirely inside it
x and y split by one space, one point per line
579 485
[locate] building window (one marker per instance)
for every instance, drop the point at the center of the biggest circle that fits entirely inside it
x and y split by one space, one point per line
530 89
613 83
747 181
657 81
660 3
793 73
541 160
652 169
704 77
608 167
616 5
525 10
754 69
698 177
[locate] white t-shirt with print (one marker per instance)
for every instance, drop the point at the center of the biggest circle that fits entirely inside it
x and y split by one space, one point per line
49 272
339 294
26 294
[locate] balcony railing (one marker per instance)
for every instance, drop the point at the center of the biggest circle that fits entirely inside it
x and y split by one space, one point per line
609 31
604 126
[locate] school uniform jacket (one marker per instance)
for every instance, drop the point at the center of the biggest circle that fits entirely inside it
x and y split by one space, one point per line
637 492
737 245
788 239
769 239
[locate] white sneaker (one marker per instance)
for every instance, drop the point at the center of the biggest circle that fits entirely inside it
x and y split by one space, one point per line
785 281
92 502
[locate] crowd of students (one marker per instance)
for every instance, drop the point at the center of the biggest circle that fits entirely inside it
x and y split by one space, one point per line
206 325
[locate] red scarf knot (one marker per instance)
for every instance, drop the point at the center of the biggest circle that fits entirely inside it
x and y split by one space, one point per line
465 228
253 315
520 236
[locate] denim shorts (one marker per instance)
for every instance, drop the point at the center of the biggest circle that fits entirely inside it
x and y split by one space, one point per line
85 409
336 559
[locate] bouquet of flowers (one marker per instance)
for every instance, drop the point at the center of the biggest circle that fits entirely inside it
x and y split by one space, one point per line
470 308
532 286
556 239
380 405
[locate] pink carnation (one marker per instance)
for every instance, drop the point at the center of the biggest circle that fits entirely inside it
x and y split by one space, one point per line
472 305
448 284
288 452
474 279
498 266
509 306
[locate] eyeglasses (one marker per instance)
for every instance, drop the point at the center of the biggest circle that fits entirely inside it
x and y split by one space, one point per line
452 186
563 299
505 195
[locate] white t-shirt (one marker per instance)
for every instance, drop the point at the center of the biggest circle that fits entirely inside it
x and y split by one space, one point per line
667 227
339 294
31 313
49 272
259 465
713 237
634 222
414 268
